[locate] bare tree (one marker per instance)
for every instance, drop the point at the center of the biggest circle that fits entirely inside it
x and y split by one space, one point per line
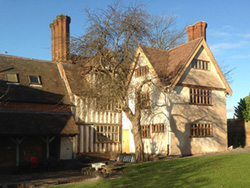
227 71
164 33
111 39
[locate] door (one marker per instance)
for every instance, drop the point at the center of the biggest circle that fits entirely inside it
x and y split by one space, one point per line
125 140
66 149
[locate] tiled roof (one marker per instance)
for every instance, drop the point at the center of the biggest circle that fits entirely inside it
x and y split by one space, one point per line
169 63
75 79
53 90
15 123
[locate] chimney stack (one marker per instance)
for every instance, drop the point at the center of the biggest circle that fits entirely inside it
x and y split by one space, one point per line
60 38
197 30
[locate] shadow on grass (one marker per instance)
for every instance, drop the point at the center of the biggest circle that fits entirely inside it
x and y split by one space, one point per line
208 171
174 173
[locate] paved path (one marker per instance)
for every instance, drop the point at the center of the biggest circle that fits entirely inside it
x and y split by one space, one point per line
43 179
230 151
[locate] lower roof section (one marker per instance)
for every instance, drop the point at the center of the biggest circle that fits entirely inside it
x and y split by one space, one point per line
27 124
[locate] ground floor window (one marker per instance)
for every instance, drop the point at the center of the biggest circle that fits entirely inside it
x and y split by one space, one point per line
108 133
201 130
158 128
145 131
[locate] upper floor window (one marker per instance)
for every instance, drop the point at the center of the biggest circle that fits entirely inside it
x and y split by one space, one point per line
200 96
12 78
35 80
201 130
141 71
145 100
201 64
145 131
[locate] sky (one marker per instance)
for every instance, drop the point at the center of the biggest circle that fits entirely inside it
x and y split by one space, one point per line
25 31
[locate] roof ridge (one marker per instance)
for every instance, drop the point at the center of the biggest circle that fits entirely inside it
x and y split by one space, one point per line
173 47
19 57
186 43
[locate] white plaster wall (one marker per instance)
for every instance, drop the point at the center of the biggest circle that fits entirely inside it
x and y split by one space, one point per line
202 54
209 78
157 114
183 114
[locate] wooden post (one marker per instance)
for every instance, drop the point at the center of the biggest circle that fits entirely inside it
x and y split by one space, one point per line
17 151
17 142
47 147
47 141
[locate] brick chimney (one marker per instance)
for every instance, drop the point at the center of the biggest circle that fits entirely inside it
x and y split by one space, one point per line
197 30
60 38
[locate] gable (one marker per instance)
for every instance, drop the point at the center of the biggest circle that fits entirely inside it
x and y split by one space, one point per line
198 77
171 66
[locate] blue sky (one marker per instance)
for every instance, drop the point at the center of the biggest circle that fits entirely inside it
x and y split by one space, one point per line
25 29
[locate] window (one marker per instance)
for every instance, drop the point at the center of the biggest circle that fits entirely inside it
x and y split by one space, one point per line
12 78
141 71
145 131
35 80
145 100
200 64
158 128
107 133
201 130
200 96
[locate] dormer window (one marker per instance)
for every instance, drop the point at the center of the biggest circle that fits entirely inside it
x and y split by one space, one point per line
35 80
141 71
12 78
201 64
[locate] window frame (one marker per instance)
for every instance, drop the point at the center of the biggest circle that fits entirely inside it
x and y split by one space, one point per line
200 96
107 133
145 100
141 71
201 130
17 82
201 64
145 131
39 83
158 128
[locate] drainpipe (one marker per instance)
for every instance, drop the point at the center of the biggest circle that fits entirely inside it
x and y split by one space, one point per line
168 117
168 141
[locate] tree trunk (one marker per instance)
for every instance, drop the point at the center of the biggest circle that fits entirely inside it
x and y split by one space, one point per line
135 119
139 148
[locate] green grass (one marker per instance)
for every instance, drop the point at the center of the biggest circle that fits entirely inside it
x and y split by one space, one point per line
209 171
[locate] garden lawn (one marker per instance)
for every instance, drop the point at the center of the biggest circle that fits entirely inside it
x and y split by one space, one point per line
208 171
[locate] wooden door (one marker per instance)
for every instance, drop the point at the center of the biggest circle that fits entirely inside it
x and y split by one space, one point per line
125 140
66 150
